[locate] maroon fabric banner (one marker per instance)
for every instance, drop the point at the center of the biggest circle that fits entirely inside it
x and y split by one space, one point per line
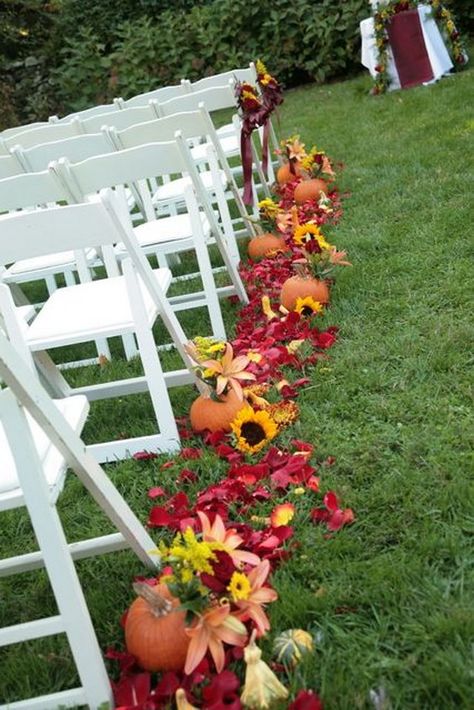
409 50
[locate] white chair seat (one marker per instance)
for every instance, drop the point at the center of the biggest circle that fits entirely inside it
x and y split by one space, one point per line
229 143
167 229
75 410
174 190
97 309
226 130
51 262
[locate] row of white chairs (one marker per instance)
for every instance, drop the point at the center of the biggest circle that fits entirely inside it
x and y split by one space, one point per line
40 437
160 95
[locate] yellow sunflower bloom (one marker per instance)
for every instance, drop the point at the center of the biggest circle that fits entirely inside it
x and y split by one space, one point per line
306 233
308 306
253 430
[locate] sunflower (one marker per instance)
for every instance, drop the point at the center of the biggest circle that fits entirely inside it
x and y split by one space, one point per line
253 430
308 306
306 233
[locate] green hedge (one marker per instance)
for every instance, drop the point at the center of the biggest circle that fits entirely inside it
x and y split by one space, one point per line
81 52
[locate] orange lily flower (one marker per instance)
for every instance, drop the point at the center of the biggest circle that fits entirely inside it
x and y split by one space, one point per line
214 628
337 257
251 608
229 371
228 538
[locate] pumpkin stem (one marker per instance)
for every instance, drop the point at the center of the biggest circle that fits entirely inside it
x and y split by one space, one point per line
302 271
157 603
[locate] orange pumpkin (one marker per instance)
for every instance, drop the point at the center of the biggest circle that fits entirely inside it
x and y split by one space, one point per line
309 190
155 630
207 413
262 244
285 175
300 287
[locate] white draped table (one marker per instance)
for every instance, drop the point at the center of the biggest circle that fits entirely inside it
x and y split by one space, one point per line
440 60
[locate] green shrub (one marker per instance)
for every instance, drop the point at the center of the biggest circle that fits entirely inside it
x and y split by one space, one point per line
77 53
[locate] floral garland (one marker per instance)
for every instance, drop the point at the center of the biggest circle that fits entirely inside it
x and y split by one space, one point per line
382 19
220 544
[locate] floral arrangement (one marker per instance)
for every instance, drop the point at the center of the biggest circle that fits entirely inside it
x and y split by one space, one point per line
319 257
220 586
221 543
221 372
382 18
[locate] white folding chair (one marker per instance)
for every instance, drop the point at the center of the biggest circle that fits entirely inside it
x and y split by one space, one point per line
39 441
168 235
44 134
193 126
120 119
30 191
163 93
75 148
113 306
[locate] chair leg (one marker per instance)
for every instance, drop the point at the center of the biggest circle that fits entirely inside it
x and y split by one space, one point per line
130 346
59 566
150 360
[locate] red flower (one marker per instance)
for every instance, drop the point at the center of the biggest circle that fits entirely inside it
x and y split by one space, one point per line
306 700
190 452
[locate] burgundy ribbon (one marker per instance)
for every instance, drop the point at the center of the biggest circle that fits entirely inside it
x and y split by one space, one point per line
266 136
246 156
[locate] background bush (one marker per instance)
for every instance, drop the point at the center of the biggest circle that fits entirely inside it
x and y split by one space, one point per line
65 55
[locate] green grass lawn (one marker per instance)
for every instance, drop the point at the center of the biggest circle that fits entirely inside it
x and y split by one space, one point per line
390 597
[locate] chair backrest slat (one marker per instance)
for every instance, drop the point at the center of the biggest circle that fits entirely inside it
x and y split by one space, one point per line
30 190
248 74
120 119
44 134
57 229
164 93
125 167
9 166
10 132
89 112
214 99
75 148
190 123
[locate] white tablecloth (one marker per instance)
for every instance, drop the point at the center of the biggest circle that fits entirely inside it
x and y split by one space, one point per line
438 55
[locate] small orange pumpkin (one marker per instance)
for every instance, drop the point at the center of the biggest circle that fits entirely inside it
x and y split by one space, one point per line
262 244
284 174
155 630
207 413
309 190
300 287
